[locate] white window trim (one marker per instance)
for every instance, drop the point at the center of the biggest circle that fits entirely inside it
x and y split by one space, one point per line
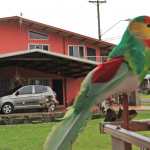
38 44
78 46
38 78
39 33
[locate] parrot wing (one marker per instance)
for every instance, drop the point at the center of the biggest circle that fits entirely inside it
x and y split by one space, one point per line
108 72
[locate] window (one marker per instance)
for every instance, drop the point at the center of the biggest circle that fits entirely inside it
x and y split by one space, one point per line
37 36
39 89
76 51
39 46
91 54
39 81
45 88
26 90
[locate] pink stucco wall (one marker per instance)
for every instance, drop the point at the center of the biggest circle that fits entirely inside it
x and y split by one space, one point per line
73 87
15 38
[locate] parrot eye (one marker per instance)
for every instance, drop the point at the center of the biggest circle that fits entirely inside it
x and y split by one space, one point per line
148 25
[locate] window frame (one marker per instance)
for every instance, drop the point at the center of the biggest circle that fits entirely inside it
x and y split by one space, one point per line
88 56
38 44
38 78
38 33
78 50
40 86
25 87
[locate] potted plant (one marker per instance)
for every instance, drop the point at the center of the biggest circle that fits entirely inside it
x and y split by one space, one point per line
41 103
112 100
46 105
50 98
16 79
56 103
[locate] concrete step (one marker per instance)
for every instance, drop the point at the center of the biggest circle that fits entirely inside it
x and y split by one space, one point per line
35 122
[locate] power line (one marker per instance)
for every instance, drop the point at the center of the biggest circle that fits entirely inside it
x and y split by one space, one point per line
77 10
84 17
91 21
112 37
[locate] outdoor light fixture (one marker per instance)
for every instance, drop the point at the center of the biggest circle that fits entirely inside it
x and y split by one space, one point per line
58 72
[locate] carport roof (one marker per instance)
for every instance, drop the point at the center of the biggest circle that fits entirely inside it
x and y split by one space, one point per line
48 62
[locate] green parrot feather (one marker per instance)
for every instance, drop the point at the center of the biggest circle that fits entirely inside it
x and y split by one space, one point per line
134 48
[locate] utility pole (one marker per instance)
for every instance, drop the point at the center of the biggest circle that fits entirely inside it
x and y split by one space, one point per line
98 13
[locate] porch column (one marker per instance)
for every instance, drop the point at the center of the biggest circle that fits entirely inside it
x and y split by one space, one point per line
65 86
134 98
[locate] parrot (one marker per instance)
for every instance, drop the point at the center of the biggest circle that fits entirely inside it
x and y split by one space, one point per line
124 70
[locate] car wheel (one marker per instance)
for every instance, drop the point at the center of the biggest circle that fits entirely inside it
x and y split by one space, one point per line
52 108
7 108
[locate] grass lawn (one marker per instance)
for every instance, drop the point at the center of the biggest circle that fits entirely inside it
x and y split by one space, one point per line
144 96
145 104
32 137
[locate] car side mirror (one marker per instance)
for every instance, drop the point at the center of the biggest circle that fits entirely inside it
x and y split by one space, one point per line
17 93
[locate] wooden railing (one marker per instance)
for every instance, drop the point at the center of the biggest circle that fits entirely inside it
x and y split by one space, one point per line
122 138
119 135
97 58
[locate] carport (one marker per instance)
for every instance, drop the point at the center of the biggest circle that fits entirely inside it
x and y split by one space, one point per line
49 63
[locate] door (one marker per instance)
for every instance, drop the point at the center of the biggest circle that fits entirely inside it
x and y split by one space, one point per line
58 88
4 85
24 98
39 95
91 53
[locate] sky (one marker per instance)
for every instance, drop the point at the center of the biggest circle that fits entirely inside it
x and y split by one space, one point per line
79 16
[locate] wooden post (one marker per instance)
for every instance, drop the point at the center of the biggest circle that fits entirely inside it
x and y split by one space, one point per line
117 144
128 146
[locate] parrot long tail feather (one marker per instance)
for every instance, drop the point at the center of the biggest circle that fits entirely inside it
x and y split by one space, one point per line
65 133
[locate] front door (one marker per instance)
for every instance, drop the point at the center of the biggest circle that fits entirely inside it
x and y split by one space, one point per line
58 89
24 98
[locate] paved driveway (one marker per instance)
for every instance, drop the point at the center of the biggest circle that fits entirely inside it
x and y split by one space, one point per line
145 100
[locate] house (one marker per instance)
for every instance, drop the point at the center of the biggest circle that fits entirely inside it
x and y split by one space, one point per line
47 55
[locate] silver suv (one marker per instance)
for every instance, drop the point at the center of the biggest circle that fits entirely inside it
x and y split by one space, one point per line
25 97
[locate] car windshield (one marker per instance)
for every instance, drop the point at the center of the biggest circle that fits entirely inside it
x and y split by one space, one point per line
13 90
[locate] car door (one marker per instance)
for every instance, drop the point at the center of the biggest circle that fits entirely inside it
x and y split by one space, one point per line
24 97
39 95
